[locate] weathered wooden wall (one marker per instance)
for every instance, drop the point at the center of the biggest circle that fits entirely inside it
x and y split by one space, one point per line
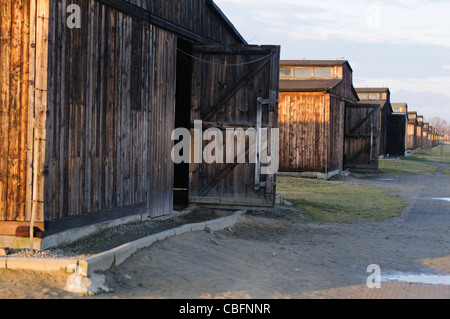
336 135
14 79
303 119
161 170
110 113
23 85
419 136
425 136
99 103
412 131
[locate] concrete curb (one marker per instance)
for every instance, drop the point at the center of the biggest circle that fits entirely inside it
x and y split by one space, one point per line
116 256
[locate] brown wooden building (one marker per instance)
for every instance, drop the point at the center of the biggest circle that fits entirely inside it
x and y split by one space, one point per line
87 113
382 97
312 106
432 137
426 135
420 129
412 131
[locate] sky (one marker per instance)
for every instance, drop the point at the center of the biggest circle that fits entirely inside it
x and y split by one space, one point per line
400 44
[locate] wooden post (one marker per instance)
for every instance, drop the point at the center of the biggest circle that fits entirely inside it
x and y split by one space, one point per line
40 109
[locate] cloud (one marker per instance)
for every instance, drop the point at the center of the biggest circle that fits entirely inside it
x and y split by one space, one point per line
433 84
401 44
401 22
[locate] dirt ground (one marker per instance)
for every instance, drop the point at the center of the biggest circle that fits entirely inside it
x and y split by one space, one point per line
269 255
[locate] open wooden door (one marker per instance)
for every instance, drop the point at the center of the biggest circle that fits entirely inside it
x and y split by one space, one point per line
362 136
234 88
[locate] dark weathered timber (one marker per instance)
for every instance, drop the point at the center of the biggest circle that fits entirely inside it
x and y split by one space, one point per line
226 90
362 136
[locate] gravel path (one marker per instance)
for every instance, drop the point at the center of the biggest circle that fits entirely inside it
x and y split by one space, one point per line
269 257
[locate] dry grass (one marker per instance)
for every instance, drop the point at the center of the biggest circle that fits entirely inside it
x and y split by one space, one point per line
439 154
420 162
446 171
397 167
332 202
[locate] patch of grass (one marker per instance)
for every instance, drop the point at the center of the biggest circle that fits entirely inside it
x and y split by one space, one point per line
330 202
397 167
439 154
446 171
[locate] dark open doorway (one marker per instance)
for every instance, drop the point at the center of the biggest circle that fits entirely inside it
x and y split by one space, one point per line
182 120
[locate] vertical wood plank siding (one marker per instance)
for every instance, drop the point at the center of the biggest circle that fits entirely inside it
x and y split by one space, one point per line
14 99
162 123
97 131
303 126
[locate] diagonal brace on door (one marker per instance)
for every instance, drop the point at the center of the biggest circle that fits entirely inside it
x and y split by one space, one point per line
361 122
249 149
233 90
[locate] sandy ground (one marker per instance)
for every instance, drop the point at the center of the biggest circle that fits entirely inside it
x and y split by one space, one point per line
269 256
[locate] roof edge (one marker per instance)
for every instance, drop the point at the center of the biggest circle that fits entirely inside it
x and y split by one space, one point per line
227 22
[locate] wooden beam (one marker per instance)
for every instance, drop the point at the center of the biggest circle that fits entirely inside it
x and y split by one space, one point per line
358 135
231 202
8 228
220 49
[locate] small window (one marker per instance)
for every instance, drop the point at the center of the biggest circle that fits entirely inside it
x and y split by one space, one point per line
374 96
302 73
322 72
285 72
363 96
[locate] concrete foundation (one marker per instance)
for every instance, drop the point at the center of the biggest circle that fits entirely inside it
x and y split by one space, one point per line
316 175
